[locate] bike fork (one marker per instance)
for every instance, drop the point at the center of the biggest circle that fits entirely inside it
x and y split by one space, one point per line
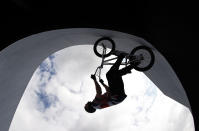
102 63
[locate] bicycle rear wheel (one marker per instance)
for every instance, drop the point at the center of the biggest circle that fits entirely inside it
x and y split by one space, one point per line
100 44
147 60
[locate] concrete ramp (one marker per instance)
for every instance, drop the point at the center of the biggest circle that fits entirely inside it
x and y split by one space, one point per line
19 61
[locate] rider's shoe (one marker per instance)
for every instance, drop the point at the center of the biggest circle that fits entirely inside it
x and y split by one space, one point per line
136 63
119 53
129 72
136 60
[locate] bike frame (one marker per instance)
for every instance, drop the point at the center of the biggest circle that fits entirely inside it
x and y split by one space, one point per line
107 62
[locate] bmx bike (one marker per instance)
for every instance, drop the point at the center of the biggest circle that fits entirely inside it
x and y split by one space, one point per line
105 47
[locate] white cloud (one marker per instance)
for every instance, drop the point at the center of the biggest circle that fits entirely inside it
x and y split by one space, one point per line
145 108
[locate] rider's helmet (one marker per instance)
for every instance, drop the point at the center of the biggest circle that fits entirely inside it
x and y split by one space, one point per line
89 107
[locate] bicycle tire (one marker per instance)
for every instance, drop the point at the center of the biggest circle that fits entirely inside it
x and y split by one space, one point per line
97 43
151 55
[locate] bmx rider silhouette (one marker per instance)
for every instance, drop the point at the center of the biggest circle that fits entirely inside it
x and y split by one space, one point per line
115 92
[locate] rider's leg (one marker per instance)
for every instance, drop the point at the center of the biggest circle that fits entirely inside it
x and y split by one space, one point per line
116 65
115 81
126 70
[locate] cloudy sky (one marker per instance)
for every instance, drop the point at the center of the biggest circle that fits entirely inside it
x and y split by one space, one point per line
55 96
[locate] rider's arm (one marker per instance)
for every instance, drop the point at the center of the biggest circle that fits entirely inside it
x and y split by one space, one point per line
97 86
105 86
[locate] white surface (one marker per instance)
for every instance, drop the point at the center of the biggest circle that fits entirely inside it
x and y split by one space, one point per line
20 60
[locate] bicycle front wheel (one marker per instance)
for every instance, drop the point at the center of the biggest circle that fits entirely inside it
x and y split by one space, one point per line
104 43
